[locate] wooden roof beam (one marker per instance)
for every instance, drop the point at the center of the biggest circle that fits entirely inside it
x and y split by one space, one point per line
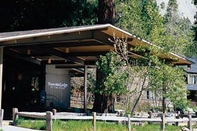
16 55
60 54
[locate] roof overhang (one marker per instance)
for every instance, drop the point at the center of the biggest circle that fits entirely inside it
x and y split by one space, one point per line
72 45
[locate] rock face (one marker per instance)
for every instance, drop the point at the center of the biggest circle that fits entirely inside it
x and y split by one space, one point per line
186 8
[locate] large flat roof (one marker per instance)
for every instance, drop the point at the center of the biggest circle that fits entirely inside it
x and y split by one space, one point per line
72 46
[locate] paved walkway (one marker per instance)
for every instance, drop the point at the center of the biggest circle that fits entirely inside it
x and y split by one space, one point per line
7 127
14 128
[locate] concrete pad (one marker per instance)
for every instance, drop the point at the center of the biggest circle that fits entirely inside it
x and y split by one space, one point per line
15 128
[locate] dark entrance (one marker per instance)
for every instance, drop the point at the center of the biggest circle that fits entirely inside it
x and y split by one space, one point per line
22 83
192 95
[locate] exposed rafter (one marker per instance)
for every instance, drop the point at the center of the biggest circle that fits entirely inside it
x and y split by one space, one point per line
16 55
78 45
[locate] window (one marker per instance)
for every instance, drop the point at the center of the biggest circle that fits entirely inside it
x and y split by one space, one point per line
156 95
192 78
149 94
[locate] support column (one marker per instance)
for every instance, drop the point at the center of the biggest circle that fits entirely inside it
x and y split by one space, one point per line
85 88
1 75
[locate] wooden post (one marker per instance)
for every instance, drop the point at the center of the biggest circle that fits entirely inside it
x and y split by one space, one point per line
150 116
163 119
48 121
177 117
14 114
1 75
129 122
190 121
1 117
54 111
163 122
85 87
94 120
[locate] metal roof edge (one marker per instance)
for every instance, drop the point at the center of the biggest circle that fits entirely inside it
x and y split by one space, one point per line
149 43
54 32
63 30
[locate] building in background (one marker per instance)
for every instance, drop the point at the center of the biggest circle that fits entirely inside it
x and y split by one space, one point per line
191 80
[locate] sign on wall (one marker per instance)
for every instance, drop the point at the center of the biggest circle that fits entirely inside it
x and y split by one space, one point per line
57 87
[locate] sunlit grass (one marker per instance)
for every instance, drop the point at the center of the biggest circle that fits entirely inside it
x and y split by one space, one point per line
155 127
33 124
59 125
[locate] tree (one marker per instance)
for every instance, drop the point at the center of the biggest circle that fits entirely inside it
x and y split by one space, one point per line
144 20
172 11
104 101
195 31
118 77
178 30
169 82
128 16
113 81
33 14
138 17
106 11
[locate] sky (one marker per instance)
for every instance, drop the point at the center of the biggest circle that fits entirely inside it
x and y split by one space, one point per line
186 8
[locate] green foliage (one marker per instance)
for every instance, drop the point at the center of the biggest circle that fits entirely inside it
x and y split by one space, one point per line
178 31
169 82
138 17
151 18
195 2
162 5
33 14
194 47
128 16
114 73
170 32
172 10
165 79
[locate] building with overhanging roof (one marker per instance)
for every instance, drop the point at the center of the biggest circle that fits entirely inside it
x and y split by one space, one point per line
45 59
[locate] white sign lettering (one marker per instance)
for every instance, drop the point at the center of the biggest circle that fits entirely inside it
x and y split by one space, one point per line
57 85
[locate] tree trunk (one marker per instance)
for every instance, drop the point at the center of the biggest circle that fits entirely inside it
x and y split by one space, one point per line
106 12
98 97
138 98
110 103
104 102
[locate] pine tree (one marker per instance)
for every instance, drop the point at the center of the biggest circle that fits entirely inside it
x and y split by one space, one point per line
195 30
177 30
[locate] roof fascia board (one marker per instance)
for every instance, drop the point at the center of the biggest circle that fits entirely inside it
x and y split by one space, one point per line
110 28
76 36
56 32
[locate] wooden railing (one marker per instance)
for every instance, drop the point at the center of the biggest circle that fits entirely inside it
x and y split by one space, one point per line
51 115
